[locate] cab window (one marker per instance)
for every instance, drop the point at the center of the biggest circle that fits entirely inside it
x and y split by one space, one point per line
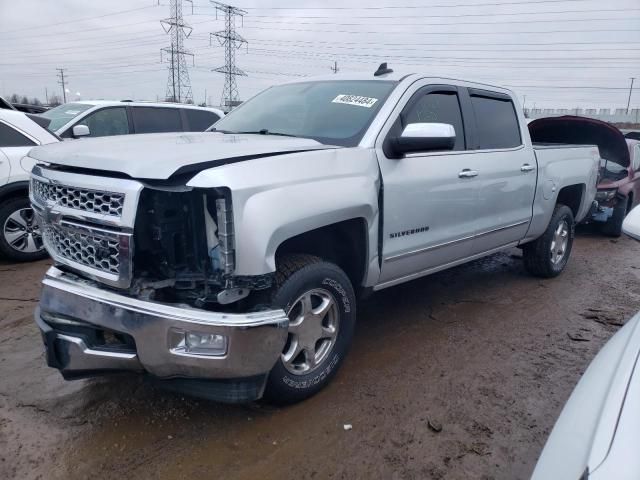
496 122
156 119
437 107
10 137
200 120
107 122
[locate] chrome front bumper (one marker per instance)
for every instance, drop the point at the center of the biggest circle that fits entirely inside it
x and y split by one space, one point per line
70 305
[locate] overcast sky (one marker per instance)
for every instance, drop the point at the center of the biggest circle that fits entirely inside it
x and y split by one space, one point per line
559 53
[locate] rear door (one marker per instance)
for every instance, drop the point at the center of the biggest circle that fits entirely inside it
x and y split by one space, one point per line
429 215
506 171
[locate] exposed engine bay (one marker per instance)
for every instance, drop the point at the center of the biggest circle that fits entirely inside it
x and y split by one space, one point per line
184 249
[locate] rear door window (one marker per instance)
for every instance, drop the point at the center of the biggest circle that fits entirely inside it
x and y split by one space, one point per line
10 137
496 122
107 122
156 119
199 120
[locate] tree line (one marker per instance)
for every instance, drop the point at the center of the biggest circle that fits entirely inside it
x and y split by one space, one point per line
54 100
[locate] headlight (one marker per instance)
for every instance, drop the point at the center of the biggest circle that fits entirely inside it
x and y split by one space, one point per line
606 195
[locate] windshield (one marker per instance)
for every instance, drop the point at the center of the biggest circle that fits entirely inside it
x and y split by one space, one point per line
331 112
60 115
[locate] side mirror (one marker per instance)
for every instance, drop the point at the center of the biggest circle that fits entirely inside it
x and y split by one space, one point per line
631 224
80 131
422 137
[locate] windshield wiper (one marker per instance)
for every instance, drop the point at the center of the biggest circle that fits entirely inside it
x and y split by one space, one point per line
264 131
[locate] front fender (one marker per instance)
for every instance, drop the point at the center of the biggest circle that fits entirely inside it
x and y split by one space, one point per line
276 198
271 217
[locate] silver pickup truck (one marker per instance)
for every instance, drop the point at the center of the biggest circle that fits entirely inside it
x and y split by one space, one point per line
228 263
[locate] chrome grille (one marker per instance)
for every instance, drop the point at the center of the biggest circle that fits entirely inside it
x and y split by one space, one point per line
84 246
84 199
84 226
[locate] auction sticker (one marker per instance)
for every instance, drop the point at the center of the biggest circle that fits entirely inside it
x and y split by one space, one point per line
356 100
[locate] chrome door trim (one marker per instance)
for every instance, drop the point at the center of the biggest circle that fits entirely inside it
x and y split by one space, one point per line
428 271
499 229
427 249
452 242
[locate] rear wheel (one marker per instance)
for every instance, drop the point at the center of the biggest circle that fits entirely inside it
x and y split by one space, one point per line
21 239
613 226
320 303
548 255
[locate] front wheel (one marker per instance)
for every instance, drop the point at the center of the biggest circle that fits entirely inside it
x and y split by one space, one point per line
548 255
21 239
320 303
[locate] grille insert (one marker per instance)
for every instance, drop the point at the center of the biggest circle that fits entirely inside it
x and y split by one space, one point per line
88 200
84 247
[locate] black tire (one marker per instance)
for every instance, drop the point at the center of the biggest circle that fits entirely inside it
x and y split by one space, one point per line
7 251
537 255
297 276
613 226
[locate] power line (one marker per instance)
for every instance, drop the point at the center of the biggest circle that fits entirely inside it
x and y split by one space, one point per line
536 32
389 7
630 92
377 58
414 15
387 24
79 19
178 83
231 41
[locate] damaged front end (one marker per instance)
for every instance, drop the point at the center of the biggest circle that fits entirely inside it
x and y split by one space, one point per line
152 241
144 282
184 249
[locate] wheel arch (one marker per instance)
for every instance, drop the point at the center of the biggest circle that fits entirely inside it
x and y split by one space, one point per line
344 243
572 196
14 190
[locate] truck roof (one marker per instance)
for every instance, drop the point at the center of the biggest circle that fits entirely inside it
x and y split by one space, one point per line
399 76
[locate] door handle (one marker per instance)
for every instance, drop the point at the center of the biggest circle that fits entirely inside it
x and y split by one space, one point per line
527 168
466 173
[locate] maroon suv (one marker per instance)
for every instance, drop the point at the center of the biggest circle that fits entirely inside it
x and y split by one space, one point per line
619 183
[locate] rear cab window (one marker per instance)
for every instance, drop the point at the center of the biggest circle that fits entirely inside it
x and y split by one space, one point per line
156 119
497 124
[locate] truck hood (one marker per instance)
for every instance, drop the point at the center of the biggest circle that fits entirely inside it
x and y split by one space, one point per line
581 130
159 156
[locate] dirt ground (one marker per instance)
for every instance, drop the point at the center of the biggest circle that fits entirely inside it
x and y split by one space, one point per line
485 351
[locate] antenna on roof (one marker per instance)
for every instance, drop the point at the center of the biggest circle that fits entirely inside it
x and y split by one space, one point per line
382 70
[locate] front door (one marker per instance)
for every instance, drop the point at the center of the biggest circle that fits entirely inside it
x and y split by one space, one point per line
429 198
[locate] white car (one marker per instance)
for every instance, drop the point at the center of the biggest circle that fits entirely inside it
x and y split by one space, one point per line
102 118
20 239
597 434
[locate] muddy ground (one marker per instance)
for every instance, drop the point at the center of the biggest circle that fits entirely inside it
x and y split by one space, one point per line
484 350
